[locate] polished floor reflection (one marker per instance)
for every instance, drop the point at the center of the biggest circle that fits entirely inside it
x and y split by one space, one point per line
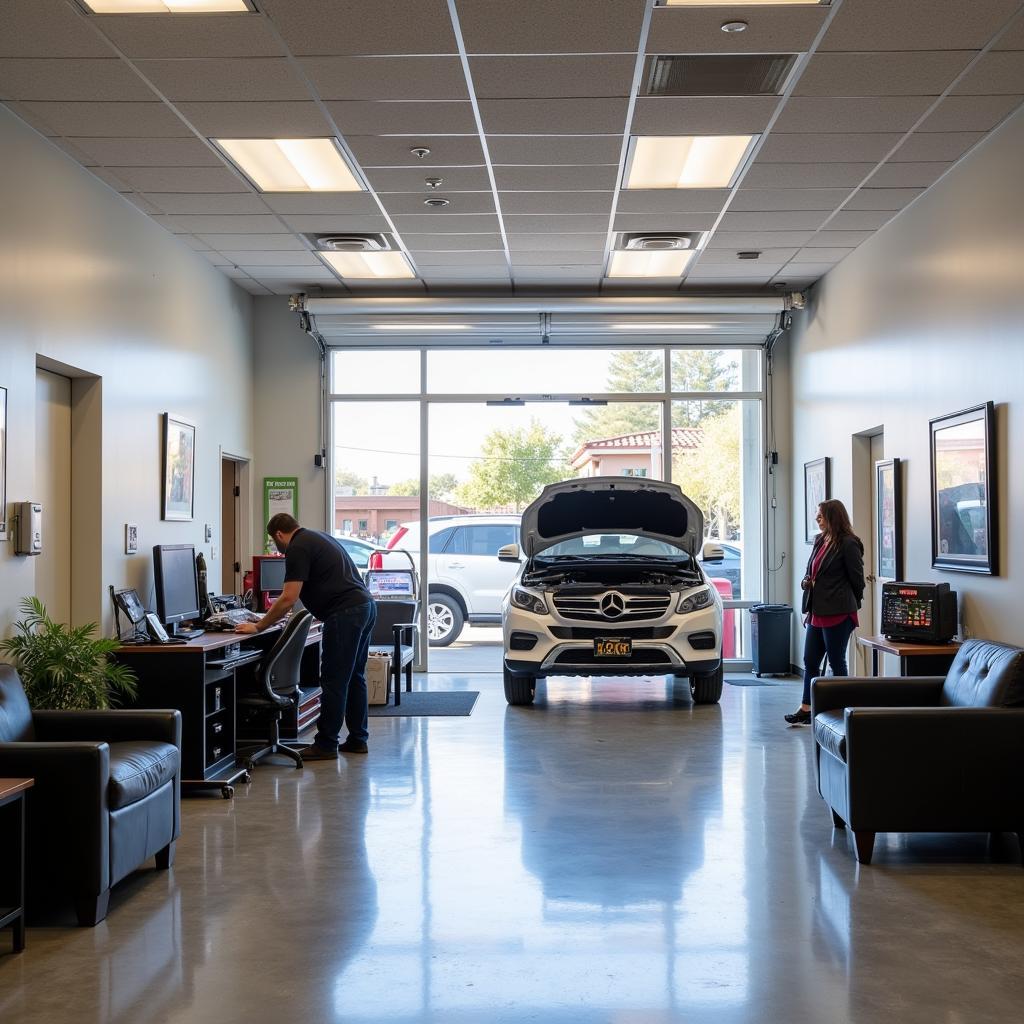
612 854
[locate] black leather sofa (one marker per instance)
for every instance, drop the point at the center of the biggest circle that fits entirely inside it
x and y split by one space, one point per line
924 754
107 794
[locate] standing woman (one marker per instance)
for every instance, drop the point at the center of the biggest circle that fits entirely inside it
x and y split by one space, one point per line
833 587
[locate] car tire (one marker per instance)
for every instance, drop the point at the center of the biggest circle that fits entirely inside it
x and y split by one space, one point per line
444 620
706 687
519 690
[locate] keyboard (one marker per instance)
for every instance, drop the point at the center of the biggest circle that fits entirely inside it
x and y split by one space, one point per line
230 619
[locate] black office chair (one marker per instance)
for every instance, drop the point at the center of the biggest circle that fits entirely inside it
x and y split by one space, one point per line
277 682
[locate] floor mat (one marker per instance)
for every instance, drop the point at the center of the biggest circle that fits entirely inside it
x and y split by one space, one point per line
421 703
752 680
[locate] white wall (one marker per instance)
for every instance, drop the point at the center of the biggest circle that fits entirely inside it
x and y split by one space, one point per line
924 319
88 282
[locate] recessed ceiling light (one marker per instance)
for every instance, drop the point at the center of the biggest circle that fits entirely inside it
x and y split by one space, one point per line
168 6
648 263
292 165
437 203
734 26
369 265
685 161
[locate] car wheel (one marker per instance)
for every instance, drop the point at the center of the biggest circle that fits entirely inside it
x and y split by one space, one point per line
706 687
444 620
519 689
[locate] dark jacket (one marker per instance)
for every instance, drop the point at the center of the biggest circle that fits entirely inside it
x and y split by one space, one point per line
839 585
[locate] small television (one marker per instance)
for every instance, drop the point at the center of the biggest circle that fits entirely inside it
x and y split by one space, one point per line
268 579
177 584
919 612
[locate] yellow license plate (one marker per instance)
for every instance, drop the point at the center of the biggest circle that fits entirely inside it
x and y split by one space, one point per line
613 647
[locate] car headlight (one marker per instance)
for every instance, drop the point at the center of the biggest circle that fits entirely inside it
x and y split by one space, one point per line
529 602
695 601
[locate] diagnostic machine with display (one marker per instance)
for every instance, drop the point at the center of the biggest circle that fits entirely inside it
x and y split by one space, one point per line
923 613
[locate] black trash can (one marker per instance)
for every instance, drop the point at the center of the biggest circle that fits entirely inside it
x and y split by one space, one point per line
769 638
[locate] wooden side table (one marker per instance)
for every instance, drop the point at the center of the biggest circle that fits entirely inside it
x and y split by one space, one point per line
12 857
915 659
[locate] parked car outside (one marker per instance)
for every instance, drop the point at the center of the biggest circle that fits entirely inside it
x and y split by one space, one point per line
359 550
466 580
730 567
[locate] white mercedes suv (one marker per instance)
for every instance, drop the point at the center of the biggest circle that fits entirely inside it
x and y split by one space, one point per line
610 586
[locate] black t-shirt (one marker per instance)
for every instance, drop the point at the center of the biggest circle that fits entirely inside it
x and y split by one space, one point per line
330 580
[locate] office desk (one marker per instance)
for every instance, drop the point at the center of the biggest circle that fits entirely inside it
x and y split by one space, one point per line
189 677
915 659
12 857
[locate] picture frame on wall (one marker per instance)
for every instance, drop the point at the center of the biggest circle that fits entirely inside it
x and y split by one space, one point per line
817 488
964 495
3 463
888 520
179 469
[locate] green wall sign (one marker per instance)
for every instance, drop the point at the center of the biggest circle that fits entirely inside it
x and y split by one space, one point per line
280 494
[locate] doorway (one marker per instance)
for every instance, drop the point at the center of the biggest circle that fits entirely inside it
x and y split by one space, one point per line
868 448
53 492
233 490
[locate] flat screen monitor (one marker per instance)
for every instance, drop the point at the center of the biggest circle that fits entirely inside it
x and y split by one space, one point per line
271 575
177 583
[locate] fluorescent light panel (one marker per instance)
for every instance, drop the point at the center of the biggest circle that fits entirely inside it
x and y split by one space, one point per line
685 161
292 165
168 6
369 265
645 263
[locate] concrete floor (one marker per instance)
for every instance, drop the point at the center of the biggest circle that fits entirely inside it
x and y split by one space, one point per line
609 855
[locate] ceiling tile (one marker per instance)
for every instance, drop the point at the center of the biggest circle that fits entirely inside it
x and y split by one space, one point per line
214 257
437 117
322 202
411 179
465 260
353 27
761 269
664 221
217 202
321 223
854 147
703 115
872 198
461 202
461 224
823 255
851 114
68 79
211 35
592 242
419 243
236 79
832 238
271 258
251 242
556 202
807 219
997 73
216 223
261 120
445 151
550 26
523 223
566 76
823 175
1013 37
894 175
860 220
970 113
671 200
182 179
111 178
728 257
48 28
559 179
749 200
387 78
699 30
759 239
805 270
916 25
553 116
936 146
147 207
921 73
190 152
74 151
110 120
516 150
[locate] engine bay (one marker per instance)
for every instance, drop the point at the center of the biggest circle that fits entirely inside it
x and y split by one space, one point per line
606 574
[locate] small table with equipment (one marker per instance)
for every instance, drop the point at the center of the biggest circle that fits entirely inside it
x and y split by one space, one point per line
915 659
12 857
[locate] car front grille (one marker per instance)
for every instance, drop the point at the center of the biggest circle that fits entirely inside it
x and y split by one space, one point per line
600 632
611 606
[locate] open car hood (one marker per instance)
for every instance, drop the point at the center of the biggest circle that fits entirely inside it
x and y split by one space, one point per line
611 504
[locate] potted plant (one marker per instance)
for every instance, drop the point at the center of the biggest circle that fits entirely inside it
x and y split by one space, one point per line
65 669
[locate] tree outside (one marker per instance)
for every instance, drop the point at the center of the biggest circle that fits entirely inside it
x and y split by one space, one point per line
441 486
711 474
347 478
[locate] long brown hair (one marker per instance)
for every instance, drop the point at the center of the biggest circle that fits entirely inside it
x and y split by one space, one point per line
837 521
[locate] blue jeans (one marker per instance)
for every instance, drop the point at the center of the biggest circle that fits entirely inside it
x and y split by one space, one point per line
346 642
820 641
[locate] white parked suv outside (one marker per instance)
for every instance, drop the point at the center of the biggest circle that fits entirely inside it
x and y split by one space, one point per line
611 586
467 582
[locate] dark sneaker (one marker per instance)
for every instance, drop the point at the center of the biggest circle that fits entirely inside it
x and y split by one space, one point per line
351 746
799 717
315 753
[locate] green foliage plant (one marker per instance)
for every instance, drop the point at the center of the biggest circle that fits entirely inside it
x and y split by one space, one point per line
65 669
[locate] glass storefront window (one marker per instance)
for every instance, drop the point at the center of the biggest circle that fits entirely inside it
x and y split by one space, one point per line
356 371
708 369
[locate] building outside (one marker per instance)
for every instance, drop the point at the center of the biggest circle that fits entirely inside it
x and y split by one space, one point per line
637 454
375 517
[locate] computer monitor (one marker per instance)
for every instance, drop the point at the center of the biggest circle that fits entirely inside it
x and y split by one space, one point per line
271 574
177 584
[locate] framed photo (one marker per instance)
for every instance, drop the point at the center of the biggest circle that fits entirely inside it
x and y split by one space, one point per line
131 538
179 469
888 520
817 488
3 462
965 524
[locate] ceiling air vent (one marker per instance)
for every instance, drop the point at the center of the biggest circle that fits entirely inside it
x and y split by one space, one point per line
658 241
352 243
734 74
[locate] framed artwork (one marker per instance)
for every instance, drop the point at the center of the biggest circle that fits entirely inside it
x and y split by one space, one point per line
3 462
817 488
965 525
179 469
888 520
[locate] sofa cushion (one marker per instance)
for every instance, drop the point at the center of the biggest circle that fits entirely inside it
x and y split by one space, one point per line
830 732
985 674
137 769
15 714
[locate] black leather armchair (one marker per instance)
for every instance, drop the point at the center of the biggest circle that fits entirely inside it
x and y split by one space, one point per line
925 754
106 796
